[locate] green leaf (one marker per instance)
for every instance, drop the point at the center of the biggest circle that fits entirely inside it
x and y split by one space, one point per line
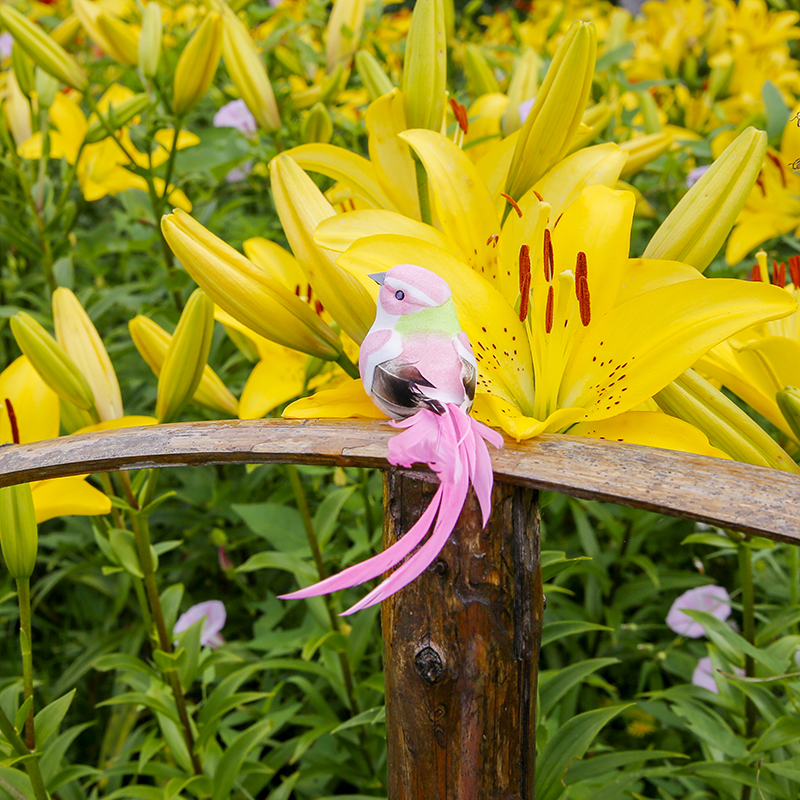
123 545
142 699
730 774
281 526
554 684
122 661
783 731
569 742
328 513
732 644
47 721
553 631
170 662
597 766
238 750
776 110
275 560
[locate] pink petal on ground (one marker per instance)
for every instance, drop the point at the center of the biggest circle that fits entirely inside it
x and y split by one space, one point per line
213 614
713 599
372 567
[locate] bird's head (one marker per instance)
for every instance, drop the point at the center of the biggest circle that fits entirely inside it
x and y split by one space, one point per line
408 288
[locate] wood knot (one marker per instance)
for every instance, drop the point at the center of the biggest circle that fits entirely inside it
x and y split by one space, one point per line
429 664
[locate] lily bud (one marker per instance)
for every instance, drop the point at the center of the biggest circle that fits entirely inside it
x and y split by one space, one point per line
554 119
44 52
425 66
122 42
301 207
74 418
23 69
480 78
696 228
343 34
19 537
18 110
375 80
248 72
66 30
197 65
788 401
186 357
693 399
117 116
150 39
594 122
239 287
644 149
523 86
649 109
153 342
719 79
48 358
46 88
317 126
81 342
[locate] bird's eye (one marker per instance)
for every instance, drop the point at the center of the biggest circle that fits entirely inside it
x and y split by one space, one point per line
399 294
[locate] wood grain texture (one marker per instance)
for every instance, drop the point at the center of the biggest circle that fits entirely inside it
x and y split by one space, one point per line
461 649
750 499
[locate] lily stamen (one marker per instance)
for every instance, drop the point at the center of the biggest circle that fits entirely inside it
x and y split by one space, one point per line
548 316
12 419
524 281
548 256
794 270
582 289
779 274
513 203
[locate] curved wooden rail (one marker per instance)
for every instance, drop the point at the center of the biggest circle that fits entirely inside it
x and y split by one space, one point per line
750 499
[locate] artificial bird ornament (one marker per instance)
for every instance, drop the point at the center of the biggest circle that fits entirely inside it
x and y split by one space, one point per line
418 367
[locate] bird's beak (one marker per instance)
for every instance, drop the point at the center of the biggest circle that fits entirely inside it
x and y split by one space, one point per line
378 277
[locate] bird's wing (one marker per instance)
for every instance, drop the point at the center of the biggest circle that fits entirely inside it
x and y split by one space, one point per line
396 389
469 366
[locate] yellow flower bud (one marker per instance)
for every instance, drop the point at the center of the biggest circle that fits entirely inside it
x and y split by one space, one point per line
649 109
66 30
18 110
186 357
118 114
81 342
122 44
23 69
375 80
523 86
248 72
595 119
48 358
548 131
153 342
19 537
301 207
696 228
317 126
788 401
246 292
425 66
480 77
44 52
197 65
344 31
150 39
644 149
693 399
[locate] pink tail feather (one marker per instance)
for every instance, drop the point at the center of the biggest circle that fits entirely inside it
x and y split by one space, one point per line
454 446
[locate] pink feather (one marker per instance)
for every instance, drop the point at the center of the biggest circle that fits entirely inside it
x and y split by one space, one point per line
453 445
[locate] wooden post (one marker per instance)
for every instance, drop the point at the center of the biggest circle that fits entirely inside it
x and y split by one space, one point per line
461 650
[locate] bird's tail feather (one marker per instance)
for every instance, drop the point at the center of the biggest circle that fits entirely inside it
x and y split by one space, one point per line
454 446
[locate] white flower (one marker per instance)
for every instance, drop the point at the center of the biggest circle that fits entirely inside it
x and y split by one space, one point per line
213 614
713 599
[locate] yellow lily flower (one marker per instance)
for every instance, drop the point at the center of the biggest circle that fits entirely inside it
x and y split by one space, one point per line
36 410
762 361
773 206
102 167
566 328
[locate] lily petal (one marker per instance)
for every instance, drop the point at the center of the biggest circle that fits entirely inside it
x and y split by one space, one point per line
132 421
278 378
499 413
343 402
645 274
35 404
651 428
62 497
668 329
345 167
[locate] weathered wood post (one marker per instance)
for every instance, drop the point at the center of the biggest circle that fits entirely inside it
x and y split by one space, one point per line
461 650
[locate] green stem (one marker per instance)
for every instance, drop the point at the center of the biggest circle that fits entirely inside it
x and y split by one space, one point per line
24 597
311 535
31 764
748 629
422 191
141 531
